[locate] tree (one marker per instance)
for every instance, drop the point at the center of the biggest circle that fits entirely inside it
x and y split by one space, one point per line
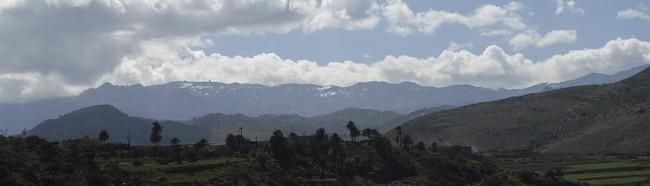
175 141
155 136
337 152
407 141
235 142
321 137
354 131
398 138
434 147
156 133
297 146
421 146
370 133
320 144
201 144
103 136
279 146
335 139
231 141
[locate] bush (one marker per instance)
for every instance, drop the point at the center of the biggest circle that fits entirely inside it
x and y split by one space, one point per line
137 163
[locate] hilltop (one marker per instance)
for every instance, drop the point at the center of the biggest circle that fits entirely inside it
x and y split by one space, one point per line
90 121
583 119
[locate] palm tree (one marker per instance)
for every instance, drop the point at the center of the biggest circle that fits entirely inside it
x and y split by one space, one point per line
156 133
407 141
370 133
279 146
231 141
175 141
103 136
354 131
398 138
201 144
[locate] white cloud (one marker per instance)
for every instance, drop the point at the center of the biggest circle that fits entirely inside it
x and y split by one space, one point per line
19 87
9 4
492 68
72 3
78 41
403 21
162 60
350 15
641 12
489 20
500 32
567 6
532 38
453 46
59 47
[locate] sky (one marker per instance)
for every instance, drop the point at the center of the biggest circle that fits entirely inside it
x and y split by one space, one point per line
54 48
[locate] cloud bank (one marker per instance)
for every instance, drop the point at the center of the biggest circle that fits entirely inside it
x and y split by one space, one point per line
553 37
489 20
55 48
75 42
404 21
493 68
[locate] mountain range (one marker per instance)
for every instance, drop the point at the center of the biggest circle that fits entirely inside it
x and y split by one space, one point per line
215 127
583 119
185 100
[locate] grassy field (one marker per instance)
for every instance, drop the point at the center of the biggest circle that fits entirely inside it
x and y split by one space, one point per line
592 169
619 172
599 166
188 172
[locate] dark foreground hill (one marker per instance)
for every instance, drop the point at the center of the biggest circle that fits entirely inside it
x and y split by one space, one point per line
595 118
91 120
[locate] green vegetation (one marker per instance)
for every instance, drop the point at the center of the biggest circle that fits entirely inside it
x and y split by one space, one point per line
592 169
618 181
318 159
600 166
609 173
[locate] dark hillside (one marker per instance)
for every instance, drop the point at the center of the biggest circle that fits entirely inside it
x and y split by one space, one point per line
595 118
91 120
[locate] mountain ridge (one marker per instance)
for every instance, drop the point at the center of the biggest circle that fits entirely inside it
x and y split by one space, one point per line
89 121
582 119
182 100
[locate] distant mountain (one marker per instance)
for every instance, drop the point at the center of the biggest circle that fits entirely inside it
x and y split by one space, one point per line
391 124
583 119
184 100
589 79
91 120
363 118
214 127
